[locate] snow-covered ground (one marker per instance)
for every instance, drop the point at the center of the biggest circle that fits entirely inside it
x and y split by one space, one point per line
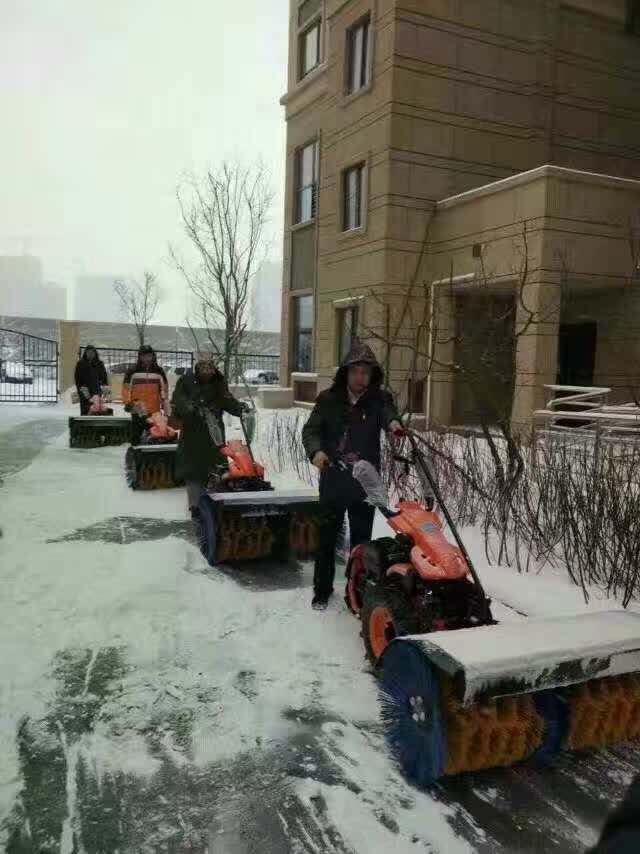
150 703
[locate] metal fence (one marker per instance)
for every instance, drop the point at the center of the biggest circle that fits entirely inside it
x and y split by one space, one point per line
28 368
252 368
118 360
255 368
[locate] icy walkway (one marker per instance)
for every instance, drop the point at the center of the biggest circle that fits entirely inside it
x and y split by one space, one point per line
151 704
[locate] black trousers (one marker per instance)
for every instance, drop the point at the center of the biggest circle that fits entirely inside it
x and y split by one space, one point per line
331 521
138 426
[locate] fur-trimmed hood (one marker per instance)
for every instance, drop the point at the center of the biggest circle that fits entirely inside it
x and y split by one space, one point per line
359 353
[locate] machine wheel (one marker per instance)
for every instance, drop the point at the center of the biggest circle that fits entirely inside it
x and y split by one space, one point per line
356 581
208 530
411 702
385 615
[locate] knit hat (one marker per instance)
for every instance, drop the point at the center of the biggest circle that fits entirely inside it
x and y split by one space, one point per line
360 354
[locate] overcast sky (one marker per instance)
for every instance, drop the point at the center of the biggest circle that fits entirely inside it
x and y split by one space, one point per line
104 103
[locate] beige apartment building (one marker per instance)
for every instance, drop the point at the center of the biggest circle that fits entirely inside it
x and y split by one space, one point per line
448 158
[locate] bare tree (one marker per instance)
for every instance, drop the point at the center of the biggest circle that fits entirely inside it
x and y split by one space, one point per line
225 217
139 301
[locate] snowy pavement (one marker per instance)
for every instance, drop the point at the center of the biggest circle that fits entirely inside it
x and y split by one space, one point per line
150 703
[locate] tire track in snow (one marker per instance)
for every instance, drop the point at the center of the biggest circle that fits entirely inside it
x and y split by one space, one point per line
20 445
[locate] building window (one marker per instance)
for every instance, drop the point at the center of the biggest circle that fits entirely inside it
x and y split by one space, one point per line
358 46
309 49
347 322
306 182
352 188
632 23
416 395
307 10
302 333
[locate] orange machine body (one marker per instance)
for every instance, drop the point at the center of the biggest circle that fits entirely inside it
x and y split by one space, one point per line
99 405
147 389
240 462
159 427
432 555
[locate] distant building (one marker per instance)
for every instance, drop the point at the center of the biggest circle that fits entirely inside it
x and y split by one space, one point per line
94 298
266 298
23 293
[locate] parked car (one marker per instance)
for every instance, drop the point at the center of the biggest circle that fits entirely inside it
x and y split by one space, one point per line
260 376
15 372
120 367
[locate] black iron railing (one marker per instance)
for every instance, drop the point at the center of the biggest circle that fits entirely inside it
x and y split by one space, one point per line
253 368
118 360
28 368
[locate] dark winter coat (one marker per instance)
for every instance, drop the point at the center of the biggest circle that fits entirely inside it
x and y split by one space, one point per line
92 375
621 834
197 455
343 430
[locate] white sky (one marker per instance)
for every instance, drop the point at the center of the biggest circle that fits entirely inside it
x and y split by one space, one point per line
105 103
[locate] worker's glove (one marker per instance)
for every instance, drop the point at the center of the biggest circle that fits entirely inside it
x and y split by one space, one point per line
245 407
397 430
429 502
320 460
84 391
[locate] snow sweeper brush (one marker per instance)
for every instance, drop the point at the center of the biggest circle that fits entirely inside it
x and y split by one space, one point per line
243 518
152 463
460 692
99 427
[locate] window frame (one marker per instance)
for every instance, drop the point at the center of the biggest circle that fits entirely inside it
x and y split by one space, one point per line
297 331
299 189
365 69
313 23
360 168
340 314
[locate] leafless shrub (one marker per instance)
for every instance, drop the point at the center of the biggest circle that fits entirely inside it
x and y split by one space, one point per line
570 508
282 441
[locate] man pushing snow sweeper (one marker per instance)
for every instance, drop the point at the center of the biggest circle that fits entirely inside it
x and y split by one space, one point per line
144 391
344 427
199 401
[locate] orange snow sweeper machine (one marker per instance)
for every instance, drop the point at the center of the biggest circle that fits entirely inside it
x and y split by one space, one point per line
460 692
243 518
150 461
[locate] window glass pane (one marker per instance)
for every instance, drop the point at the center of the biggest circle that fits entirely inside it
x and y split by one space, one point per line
304 313
365 54
310 48
306 182
356 58
353 198
347 330
302 333
358 45
303 352
305 204
308 165
307 10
